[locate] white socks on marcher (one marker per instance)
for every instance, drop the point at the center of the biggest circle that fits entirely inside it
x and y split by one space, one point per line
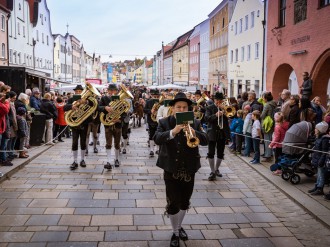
117 154
175 218
211 164
181 213
218 163
109 155
83 154
152 145
125 143
75 156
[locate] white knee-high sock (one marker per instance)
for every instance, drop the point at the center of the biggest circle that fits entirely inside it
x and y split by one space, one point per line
181 213
125 143
75 156
211 164
109 155
83 154
152 145
117 154
94 142
174 218
218 163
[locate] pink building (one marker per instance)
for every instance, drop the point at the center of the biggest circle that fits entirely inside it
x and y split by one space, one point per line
194 57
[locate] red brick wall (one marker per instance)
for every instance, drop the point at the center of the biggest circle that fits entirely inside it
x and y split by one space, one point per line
315 29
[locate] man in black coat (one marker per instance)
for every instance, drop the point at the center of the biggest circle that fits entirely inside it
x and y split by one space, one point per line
179 162
79 131
152 125
49 109
218 133
112 131
307 86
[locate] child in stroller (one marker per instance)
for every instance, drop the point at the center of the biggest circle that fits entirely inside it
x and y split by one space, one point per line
295 158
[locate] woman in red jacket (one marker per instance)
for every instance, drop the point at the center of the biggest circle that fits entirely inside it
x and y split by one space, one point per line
60 123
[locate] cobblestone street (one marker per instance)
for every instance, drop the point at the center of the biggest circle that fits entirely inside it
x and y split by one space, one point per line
46 204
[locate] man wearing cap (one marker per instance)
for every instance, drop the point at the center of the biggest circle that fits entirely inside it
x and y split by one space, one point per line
218 132
151 124
78 131
113 131
35 101
179 162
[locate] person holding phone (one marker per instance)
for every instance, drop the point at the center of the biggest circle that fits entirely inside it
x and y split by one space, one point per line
179 162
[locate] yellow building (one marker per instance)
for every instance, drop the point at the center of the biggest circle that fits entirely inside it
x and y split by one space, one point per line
219 20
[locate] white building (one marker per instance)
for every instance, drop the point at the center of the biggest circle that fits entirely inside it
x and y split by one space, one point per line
62 58
44 45
88 66
204 53
245 47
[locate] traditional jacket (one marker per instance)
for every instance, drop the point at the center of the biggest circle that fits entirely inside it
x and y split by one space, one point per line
105 101
213 130
175 155
147 110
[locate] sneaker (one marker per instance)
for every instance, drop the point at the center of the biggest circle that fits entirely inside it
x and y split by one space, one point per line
277 173
91 144
212 177
96 151
117 164
175 241
7 163
255 162
251 161
124 151
183 235
217 173
108 166
74 166
266 159
82 163
151 154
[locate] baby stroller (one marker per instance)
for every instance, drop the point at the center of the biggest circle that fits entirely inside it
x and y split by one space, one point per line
295 159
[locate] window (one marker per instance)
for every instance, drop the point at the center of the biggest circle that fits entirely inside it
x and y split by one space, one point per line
19 58
23 31
19 7
236 55
18 29
10 55
42 19
246 22
324 3
42 38
223 22
47 40
300 10
248 52
282 13
252 19
3 50
257 50
240 25
242 53
15 58
231 56
3 23
37 35
235 27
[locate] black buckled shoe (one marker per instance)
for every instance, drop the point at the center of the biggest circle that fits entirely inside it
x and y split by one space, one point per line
151 154
108 166
96 150
217 173
82 163
74 166
91 144
124 151
183 235
117 164
212 177
175 241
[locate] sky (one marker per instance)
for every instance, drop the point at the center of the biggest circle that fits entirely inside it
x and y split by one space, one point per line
126 29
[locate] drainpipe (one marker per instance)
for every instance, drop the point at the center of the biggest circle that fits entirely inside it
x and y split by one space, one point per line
264 48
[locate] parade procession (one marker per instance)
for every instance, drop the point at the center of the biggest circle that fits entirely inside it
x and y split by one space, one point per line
204 124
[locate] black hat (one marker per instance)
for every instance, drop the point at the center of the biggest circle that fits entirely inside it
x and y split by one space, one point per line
219 96
180 97
78 87
198 92
112 86
154 91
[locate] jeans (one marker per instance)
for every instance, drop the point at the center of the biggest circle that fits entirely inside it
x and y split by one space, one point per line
320 177
3 147
239 140
256 147
11 145
267 141
49 131
248 144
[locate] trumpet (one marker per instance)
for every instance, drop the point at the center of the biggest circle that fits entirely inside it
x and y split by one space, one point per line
192 140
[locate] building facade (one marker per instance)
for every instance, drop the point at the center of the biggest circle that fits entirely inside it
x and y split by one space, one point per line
194 57
298 42
62 58
4 15
168 64
245 48
76 59
204 53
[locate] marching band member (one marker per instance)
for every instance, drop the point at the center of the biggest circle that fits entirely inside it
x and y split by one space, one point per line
113 131
78 131
152 125
163 110
93 128
218 132
180 163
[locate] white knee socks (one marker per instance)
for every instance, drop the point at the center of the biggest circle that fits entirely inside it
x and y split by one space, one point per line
125 143
152 145
181 213
109 155
175 223
75 156
211 164
218 163
117 154
83 154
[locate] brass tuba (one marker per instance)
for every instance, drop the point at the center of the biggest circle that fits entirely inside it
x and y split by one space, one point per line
75 118
229 110
155 107
118 106
199 115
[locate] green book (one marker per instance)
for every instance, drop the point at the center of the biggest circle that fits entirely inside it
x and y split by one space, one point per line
76 97
184 117
115 97
166 102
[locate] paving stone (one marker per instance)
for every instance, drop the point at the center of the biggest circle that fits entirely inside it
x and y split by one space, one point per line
227 202
49 203
218 234
23 211
128 236
75 220
112 220
253 233
36 228
9 195
86 236
259 209
253 201
244 209
151 203
126 244
58 228
261 217
232 195
94 211
59 211
286 241
35 195
133 195
13 220
200 203
105 195
15 237
227 218
213 210
246 242
76 195
133 211
147 220
203 243
41 220
54 236
81 203
278 232
27 245
73 244
122 203
17 203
